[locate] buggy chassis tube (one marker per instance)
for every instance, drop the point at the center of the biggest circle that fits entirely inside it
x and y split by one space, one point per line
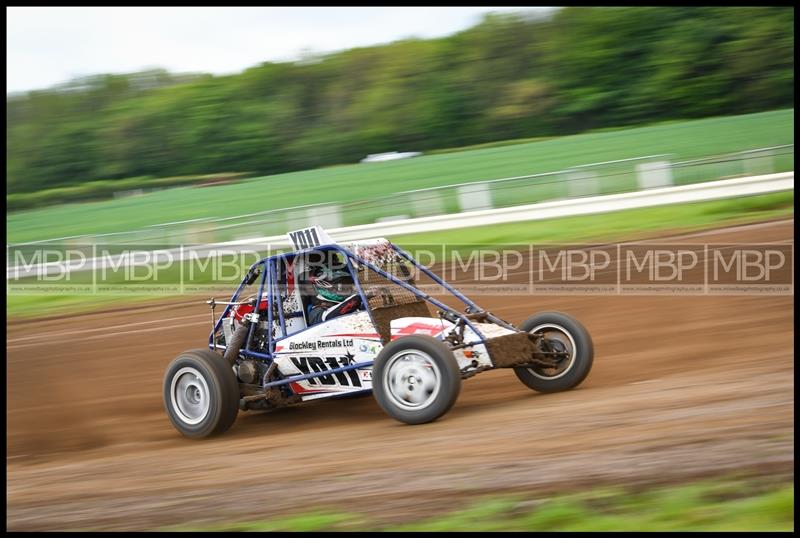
218 324
418 293
274 295
264 276
292 379
452 290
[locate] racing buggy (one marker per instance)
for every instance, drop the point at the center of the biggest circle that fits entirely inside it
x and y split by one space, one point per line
390 337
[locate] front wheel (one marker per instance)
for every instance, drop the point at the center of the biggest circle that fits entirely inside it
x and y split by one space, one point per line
565 343
201 393
416 379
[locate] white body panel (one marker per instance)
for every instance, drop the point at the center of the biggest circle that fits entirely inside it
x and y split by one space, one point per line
352 339
328 345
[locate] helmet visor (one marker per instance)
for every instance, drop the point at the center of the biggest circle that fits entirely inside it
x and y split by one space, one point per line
336 287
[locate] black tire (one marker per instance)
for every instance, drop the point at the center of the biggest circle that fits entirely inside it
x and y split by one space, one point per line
238 339
433 365
216 385
582 356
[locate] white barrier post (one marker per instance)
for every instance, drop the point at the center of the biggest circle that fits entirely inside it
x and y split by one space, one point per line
654 174
474 197
582 183
427 203
326 216
295 220
760 162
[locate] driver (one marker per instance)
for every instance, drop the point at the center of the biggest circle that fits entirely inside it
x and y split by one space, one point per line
335 295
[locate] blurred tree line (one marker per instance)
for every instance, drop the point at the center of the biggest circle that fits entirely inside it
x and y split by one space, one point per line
508 77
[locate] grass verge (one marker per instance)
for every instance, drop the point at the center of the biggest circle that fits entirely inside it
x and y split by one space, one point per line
619 225
711 505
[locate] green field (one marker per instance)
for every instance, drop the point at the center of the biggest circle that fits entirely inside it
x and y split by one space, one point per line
622 225
377 181
720 505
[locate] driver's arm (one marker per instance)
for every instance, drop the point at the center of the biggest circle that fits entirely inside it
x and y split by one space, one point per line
315 315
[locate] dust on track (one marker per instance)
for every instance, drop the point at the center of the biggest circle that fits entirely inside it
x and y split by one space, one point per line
681 387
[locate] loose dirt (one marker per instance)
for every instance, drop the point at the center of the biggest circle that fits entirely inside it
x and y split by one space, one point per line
682 387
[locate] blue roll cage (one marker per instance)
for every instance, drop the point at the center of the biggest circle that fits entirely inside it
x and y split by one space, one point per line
269 277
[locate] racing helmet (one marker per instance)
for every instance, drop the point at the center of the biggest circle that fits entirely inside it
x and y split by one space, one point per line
333 285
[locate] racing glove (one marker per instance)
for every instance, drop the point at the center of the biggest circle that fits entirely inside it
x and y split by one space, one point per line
350 304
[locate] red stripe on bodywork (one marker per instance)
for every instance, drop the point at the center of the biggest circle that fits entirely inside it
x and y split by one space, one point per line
355 335
420 328
297 388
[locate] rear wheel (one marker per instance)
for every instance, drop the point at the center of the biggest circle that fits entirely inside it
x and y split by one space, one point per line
416 379
201 393
567 344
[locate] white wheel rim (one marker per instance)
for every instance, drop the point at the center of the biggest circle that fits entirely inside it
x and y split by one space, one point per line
189 395
412 379
554 331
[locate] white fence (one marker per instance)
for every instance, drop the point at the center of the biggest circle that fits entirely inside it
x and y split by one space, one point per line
595 179
712 190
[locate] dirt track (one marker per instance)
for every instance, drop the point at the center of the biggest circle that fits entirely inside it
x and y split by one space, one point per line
681 387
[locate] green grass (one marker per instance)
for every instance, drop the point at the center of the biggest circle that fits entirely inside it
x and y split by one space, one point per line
622 225
27 306
106 189
718 505
683 140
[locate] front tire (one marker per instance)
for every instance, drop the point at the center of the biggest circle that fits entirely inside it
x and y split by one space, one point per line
201 393
416 379
565 335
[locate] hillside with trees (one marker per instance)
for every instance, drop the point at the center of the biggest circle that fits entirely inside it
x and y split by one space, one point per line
507 77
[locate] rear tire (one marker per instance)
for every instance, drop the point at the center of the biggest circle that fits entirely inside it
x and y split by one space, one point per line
416 379
564 333
201 393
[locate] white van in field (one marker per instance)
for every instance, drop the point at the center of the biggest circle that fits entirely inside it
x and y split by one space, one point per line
390 156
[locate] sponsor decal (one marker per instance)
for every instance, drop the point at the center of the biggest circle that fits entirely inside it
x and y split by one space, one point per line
312 364
368 348
320 344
